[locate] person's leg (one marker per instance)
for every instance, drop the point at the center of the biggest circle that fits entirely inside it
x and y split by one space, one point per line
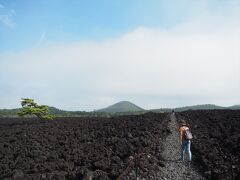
183 146
189 150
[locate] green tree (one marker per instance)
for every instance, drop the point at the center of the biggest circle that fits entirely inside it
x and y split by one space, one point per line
29 107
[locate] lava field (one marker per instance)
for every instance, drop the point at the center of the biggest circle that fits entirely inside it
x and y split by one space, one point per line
110 148
74 148
216 143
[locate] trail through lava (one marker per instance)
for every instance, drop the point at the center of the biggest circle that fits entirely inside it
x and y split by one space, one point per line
174 169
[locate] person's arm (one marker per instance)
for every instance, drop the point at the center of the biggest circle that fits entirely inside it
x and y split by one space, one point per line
181 134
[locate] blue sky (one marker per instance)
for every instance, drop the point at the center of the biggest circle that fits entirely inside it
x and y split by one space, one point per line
62 20
77 20
119 50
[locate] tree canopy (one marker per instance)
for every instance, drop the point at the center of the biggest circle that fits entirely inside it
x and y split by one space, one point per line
29 107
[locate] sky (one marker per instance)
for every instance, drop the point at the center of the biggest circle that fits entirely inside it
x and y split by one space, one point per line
86 55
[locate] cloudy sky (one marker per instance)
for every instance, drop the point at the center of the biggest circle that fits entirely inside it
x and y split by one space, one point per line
85 55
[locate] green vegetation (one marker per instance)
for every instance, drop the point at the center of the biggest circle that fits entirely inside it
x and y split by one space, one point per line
235 107
201 107
9 112
29 107
118 109
57 112
161 110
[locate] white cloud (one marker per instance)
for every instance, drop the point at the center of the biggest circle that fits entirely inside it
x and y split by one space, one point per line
192 63
7 18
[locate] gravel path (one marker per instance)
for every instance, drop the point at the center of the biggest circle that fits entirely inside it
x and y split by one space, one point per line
173 168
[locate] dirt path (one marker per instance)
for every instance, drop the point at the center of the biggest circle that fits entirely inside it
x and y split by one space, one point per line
175 169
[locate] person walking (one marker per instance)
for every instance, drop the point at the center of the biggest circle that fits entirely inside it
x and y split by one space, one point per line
185 140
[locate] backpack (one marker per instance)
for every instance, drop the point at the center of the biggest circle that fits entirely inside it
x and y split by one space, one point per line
188 134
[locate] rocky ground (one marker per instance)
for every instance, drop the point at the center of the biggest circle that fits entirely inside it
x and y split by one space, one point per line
82 148
216 142
126 147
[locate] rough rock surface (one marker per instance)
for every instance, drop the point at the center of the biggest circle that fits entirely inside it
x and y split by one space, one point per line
216 142
144 146
80 148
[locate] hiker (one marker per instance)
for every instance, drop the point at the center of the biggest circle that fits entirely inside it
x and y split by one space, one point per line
185 140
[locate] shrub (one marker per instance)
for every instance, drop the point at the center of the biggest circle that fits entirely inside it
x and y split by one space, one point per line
29 107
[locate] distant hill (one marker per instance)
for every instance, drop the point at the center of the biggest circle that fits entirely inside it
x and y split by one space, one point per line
9 112
200 107
235 107
161 110
55 111
196 107
122 106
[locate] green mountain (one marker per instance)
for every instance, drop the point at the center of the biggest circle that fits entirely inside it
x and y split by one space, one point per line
200 107
55 111
196 107
9 112
122 106
161 110
235 107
